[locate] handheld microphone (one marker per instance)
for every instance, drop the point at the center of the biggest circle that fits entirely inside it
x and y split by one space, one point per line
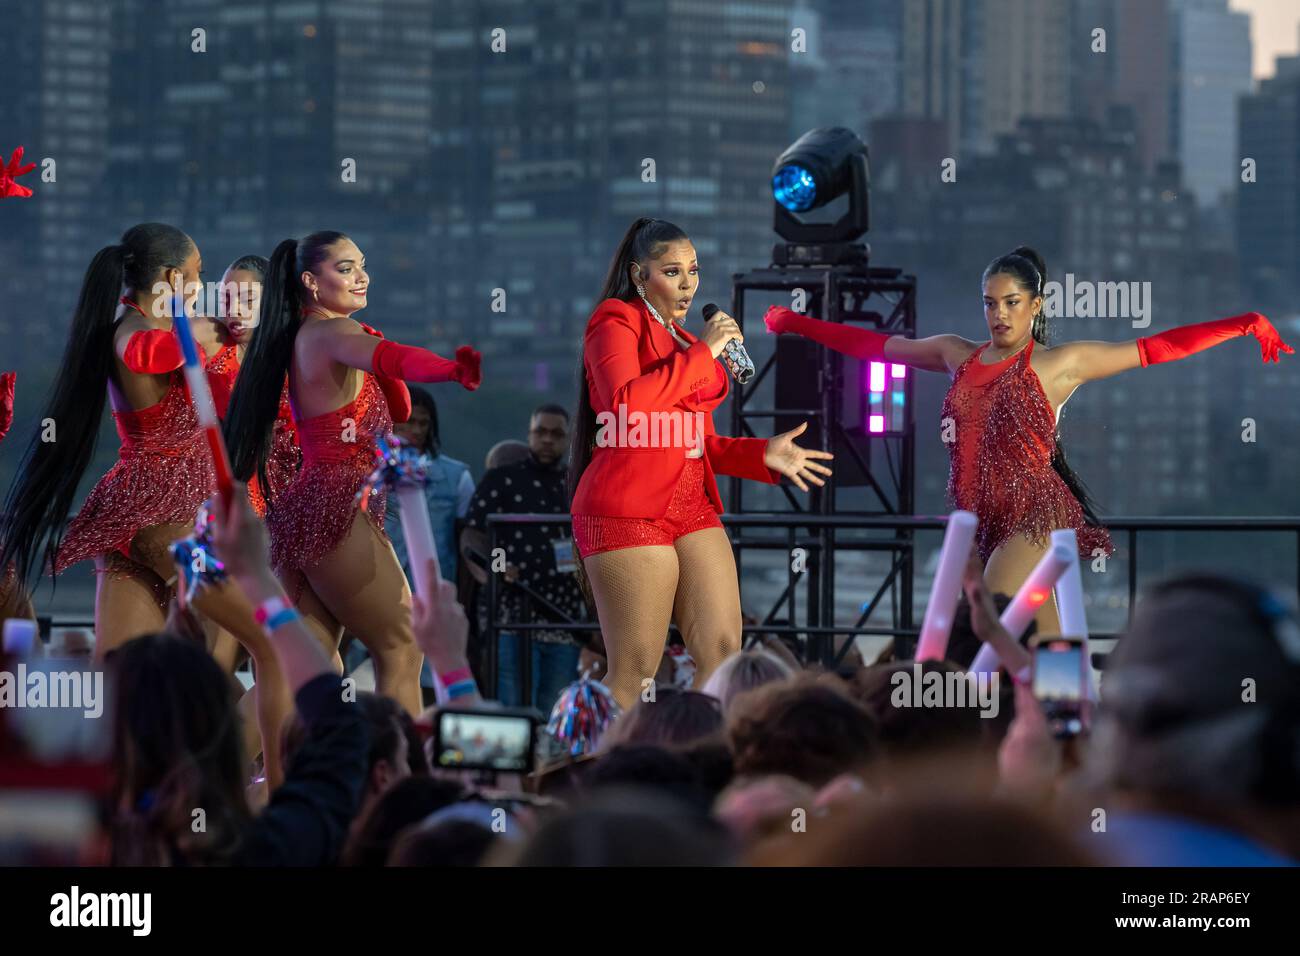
734 355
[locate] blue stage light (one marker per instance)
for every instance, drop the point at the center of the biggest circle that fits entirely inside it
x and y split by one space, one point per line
795 188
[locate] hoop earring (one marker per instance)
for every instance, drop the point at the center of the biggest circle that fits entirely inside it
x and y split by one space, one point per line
315 294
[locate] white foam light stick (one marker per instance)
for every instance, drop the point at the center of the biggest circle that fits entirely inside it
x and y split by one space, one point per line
413 508
1069 600
935 629
1036 589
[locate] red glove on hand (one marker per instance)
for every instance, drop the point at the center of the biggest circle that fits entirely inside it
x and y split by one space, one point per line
1185 340
11 172
153 352
394 389
6 401
421 365
846 339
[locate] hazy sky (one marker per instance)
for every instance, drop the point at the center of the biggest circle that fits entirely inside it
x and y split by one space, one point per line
1274 30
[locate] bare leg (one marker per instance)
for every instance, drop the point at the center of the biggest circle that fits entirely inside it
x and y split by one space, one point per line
1006 570
226 605
362 585
129 602
315 615
633 588
707 604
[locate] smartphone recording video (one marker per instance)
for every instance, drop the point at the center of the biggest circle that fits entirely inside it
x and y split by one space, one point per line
1060 682
499 741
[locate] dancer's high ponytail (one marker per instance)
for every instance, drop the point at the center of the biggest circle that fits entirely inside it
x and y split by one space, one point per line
38 503
255 401
1028 268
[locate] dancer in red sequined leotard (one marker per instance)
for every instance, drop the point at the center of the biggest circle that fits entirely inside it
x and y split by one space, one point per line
128 352
346 384
242 292
1000 414
1005 438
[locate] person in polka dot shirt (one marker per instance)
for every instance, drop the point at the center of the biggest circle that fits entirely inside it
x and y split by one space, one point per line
538 557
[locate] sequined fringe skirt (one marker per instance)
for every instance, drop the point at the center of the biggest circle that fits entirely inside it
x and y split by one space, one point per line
312 516
140 491
1048 506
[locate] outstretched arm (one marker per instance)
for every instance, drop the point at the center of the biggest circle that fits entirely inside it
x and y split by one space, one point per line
348 342
1089 361
938 353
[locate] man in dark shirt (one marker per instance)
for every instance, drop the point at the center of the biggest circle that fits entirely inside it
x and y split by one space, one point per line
539 557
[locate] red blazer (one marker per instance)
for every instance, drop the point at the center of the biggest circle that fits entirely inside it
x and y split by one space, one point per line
631 360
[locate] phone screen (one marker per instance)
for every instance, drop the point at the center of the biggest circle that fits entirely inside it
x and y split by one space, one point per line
1058 670
484 741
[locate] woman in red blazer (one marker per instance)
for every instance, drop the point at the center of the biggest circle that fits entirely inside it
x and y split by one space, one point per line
642 480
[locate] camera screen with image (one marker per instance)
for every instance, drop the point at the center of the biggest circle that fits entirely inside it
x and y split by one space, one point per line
1060 682
484 740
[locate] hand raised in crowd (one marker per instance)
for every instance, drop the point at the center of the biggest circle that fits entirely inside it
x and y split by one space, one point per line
1029 760
984 619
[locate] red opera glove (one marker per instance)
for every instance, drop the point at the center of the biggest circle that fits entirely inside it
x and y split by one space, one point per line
6 401
846 339
11 172
394 389
154 352
1183 341
420 365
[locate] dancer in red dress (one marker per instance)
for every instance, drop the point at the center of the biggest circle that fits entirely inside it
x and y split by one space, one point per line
241 286
346 383
125 348
1007 464
645 513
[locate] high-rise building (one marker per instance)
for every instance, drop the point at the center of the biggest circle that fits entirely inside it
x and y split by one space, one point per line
1025 56
1133 69
285 119
1268 207
1211 65
936 65
981 65
850 72
56 105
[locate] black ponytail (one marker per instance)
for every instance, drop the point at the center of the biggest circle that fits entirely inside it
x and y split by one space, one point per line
644 240
1028 268
49 472
255 401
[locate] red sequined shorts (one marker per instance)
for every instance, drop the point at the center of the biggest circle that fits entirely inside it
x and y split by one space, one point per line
689 510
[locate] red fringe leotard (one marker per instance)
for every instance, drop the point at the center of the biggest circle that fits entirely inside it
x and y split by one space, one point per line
163 474
285 456
1001 461
311 517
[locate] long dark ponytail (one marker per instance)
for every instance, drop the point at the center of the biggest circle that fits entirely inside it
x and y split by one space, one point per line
38 503
644 240
1029 270
255 401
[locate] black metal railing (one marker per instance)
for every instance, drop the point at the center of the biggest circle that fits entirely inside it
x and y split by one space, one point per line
817 528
